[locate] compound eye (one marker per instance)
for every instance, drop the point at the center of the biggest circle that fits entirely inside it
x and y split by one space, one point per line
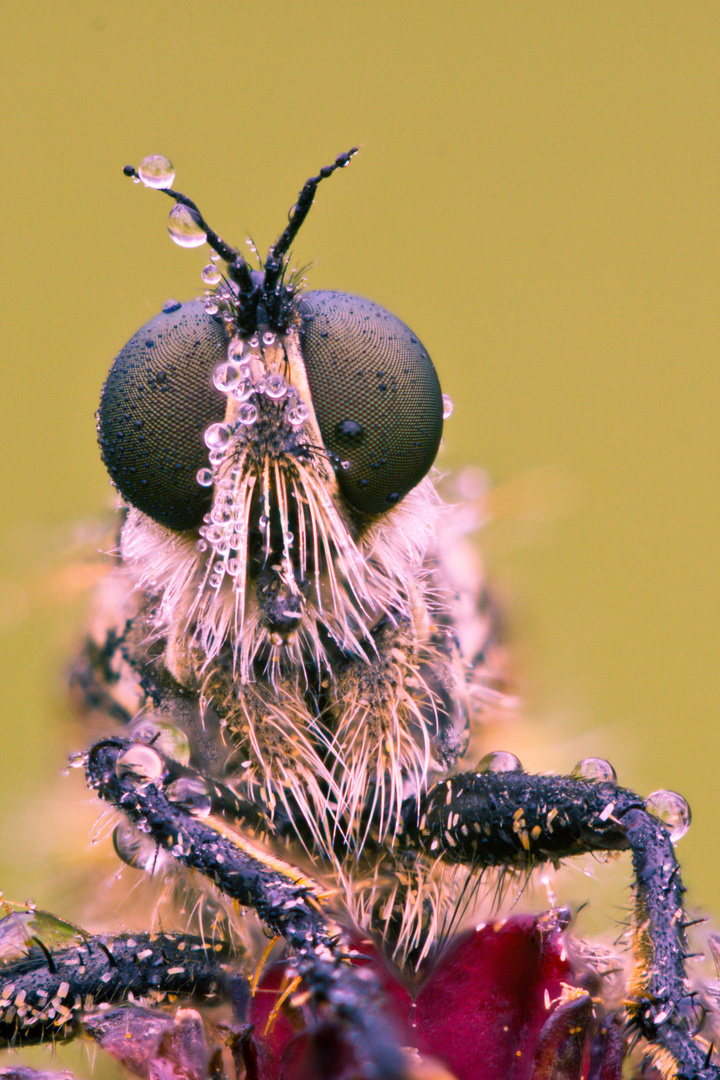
376 397
156 403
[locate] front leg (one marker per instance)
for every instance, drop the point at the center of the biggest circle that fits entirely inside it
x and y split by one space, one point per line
512 819
290 904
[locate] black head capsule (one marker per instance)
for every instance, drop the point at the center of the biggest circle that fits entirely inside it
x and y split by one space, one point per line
373 388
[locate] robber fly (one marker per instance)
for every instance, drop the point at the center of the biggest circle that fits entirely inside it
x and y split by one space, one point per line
294 662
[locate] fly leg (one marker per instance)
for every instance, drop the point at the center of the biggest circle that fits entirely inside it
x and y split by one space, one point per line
512 819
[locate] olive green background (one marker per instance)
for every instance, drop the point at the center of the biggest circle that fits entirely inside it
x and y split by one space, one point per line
536 195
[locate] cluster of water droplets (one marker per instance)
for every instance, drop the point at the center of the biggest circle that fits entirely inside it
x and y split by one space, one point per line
242 377
670 807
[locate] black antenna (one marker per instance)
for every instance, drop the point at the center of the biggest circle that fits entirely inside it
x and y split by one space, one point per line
238 270
276 256
265 286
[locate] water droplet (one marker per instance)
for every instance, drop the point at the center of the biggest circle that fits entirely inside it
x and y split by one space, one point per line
254 341
133 847
233 566
275 387
448 406
140 761
184 229
349 431
204 477
244 391
499 761
214 534
211 275
226 377
594 768
297 415
218 436
263 521
156 171
171 305
673 811
202 545
211 306
235 349
190 793
169 739
247 414
215 457
268 338
221 514
214 581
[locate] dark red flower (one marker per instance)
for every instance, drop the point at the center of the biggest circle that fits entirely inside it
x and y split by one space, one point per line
500 1004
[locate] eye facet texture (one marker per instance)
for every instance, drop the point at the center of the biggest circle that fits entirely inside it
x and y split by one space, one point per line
376 397
156 403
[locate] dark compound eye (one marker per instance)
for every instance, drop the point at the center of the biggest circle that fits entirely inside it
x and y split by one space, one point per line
156 403
376 397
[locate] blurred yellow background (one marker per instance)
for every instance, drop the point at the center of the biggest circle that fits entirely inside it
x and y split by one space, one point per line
537 196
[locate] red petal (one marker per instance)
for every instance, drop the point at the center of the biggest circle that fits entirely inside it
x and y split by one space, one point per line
481 1010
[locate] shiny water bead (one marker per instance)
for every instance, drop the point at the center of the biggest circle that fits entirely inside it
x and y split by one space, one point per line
140 761
169 739
211 275
221 514
297 415
275 387
134 848
594 768
217 436
268 338
184 229
247 414
156 171
448 406
211 306
673 811
244 389
190 793
227 376
499 761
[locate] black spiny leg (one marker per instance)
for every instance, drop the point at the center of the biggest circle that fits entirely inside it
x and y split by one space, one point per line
289 903
44 995
513 819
